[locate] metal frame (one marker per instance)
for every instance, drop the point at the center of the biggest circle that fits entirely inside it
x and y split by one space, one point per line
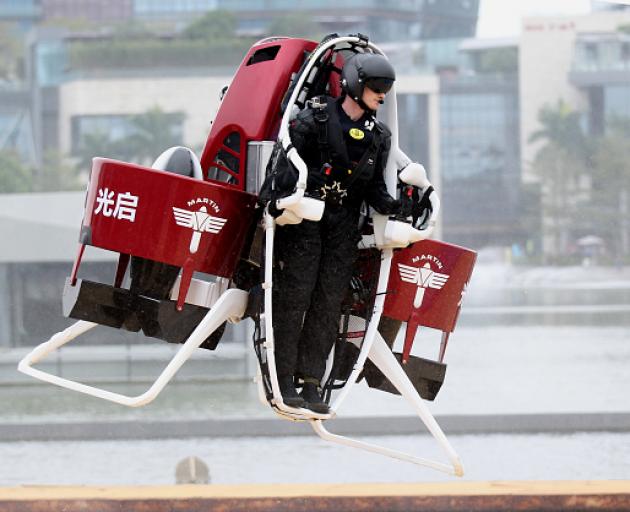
373 345
231 303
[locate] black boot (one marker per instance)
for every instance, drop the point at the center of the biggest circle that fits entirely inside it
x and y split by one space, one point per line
290 396
312 396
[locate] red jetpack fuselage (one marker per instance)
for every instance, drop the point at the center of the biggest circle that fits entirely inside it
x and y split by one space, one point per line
184 215
133 210
204 225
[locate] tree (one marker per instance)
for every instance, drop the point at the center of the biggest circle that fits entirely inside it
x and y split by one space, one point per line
14 175
499 60
217 24
562 127
610 203
151 133
295 25
154 132
11 49
562 164
57 175
98 144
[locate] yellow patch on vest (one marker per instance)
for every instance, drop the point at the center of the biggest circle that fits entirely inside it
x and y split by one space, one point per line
356 134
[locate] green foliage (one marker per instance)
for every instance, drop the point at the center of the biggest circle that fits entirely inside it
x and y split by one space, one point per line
611 186
498 60
561 127
14 175
561 164
132 29
154 131
98 144
214 25
11 53
210 40
153 53
72 24
295 25
585 181
57 175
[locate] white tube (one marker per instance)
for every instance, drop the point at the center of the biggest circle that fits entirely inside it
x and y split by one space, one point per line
372 330
231 303
383 358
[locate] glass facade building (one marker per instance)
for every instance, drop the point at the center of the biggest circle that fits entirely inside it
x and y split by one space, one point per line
413 126
172 8
616 102
92 10
20 10
16 131
383 20
601 68
479 160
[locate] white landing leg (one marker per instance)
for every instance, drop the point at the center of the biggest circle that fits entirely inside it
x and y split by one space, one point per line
231 304
384 359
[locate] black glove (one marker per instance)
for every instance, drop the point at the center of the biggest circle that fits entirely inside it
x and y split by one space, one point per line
387 205
422 208
274 211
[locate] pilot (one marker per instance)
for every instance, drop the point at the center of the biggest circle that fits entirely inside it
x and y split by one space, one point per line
345 149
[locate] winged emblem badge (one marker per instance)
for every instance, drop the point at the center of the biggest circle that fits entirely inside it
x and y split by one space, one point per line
423 277
200 222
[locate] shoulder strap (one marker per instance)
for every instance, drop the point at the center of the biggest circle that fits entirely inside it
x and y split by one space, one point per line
369 153
320 114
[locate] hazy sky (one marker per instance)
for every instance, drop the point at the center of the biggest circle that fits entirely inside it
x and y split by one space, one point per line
502 18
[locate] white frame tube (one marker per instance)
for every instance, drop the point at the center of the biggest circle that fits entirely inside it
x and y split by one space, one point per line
384 359
230 304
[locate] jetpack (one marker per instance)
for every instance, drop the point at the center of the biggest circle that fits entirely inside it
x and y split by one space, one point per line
184 215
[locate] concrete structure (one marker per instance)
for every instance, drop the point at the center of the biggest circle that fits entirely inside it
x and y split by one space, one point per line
44 227
547 50
197 97
414 19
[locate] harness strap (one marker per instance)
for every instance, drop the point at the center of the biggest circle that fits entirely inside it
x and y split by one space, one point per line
370 153
320 114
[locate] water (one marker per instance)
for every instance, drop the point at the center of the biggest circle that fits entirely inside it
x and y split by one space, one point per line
308 459
491 370
570 353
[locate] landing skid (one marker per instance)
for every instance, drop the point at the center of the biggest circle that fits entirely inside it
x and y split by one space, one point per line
374 347
381 355
231 304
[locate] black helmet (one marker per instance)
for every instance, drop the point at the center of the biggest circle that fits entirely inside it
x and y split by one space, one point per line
366 69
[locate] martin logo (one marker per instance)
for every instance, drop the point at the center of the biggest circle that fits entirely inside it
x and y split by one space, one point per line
200 222
423 277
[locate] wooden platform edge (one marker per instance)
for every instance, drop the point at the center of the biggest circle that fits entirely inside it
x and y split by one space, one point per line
490 488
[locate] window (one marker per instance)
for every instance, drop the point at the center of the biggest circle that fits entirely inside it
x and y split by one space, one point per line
120 136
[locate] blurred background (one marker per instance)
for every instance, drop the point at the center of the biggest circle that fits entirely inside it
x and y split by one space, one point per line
519 110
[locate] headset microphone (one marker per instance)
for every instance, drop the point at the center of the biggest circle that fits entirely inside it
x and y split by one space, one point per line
381 101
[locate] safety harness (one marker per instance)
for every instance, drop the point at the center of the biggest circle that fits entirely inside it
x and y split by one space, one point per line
322 116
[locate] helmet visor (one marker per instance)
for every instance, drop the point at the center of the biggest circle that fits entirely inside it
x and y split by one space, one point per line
379 84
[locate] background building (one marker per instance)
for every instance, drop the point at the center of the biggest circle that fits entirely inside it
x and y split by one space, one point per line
469 109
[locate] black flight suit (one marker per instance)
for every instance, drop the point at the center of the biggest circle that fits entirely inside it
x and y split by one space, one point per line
314 260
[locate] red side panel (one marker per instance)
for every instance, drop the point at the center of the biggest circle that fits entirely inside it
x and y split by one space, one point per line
250 110
429 279
165 217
